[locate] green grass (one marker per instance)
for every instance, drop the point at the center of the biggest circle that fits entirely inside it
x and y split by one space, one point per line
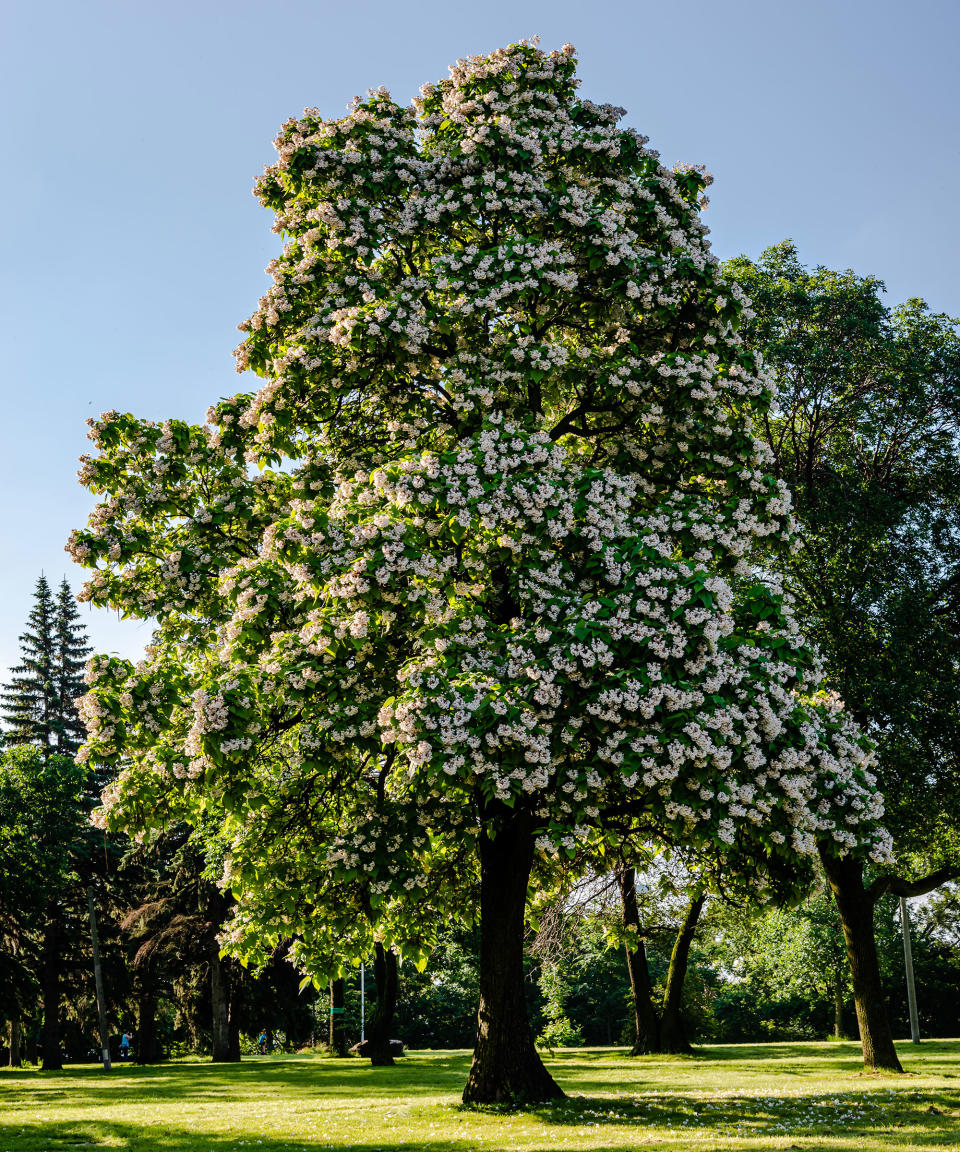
757 1097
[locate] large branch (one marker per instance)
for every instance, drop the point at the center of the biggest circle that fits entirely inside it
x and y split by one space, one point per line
900 887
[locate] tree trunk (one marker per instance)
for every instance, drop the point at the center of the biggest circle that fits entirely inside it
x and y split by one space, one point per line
855 906
381 1017
98 984
838 1032
234 1031
338 1037
14 1059
646 1024
506 1066
51 962
673 1036
148 1042
220 1007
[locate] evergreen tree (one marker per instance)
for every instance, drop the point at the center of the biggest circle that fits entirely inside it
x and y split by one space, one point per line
71 650
38 700
30 698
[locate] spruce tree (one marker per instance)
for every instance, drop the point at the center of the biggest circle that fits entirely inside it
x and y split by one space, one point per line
37 702
72 650
30 697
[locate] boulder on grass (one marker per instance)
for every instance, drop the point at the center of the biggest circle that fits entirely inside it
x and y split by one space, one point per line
363 1048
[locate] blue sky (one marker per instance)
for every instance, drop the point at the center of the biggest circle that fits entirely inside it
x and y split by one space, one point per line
131 246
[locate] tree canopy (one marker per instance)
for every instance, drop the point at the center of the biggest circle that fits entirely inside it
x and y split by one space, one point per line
487 592
865 431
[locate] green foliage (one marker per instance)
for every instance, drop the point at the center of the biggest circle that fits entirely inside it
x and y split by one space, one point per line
866 433
42 820
557 1031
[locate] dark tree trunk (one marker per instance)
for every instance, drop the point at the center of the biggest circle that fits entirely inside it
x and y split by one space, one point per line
646 1024
506 1066
838 1029
855 906
14 1059
338 1037
381 1017
148 1042
673 1035
234 1033
51 963
220 1007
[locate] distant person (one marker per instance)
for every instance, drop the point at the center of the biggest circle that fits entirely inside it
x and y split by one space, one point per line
125 1045
262 1041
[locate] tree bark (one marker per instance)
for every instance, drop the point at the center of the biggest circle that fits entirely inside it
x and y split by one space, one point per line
220 1007
381 1018
506 1066
14 1058
673 1034
646 1023
50 990
855 905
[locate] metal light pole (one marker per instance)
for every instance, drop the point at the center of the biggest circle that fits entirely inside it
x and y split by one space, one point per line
908 965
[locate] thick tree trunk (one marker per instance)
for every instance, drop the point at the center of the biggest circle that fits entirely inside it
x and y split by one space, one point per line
381 1017
646 1023
14 1058
51 963
673 1036
855 906
506 1067
220 1007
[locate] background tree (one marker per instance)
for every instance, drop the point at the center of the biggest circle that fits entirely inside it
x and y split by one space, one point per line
38 701
70 658
498 594
865 432
30 699
41 824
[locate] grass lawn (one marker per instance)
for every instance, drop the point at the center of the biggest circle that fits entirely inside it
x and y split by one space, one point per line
759 1096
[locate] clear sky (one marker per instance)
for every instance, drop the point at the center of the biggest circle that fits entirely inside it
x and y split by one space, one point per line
132 132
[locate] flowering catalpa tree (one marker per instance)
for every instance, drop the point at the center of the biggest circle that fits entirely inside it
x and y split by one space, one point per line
489 593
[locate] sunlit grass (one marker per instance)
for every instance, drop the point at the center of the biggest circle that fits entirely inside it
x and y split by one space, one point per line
772 1096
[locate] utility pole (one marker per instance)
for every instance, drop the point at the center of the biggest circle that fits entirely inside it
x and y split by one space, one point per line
98 981
908 965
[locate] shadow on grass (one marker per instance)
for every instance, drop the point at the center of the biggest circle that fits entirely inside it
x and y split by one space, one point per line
891 1118
308 1077
666 1123
647 1107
